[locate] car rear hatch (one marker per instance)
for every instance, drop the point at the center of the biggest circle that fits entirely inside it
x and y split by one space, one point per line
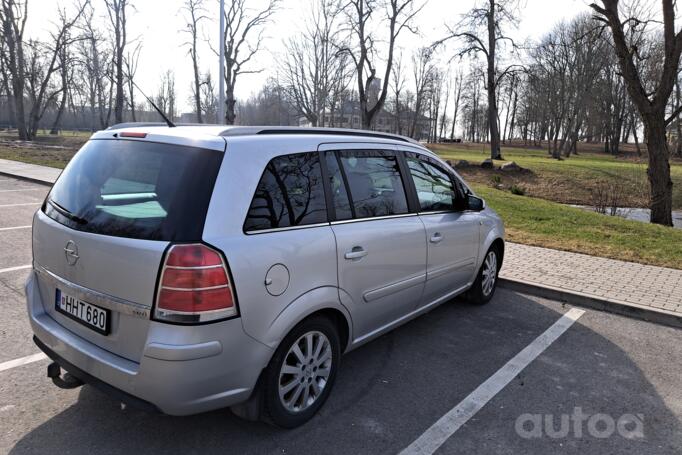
100 237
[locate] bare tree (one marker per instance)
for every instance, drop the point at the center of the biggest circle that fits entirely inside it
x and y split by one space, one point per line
397 86
95 76
447 82
117 12
65 73
209 99
166 97
240 25
481 31
424 76
651 104
372 90
312 68
268 107
435 98
45 61
14 16
131 63
6 83
197 13
457 95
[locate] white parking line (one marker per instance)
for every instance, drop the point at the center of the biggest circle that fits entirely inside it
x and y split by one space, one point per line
13 269
23 189
15 227
447 425
22 361
18 205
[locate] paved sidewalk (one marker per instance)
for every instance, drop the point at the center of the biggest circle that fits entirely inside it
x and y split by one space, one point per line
31 172
623 287
642 291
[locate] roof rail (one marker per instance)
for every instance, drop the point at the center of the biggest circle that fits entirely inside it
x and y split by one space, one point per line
268 130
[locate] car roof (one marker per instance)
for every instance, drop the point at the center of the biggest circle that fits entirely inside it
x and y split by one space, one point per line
216 136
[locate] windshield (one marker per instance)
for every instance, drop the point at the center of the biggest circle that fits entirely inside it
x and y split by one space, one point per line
136 189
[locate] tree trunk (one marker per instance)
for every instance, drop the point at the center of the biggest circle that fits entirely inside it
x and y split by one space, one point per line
60 112
118 108
659 171
510 137
65 93
678 120
18 92
230 104
636 137
197 81
491 84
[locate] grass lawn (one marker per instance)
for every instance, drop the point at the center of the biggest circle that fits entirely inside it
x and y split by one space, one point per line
569 181
46 150
50 158
543 223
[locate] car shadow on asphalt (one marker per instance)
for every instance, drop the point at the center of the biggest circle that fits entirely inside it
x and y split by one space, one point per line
387 393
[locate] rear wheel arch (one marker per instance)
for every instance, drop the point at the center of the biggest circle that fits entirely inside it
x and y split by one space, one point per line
321 301
340 321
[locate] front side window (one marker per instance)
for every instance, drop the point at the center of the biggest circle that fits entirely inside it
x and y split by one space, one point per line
376 188
435 189
290 193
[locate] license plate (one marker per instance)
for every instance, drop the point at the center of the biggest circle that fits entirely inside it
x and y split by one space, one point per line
89 315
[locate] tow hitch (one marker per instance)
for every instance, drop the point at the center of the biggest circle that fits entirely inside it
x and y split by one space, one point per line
67 381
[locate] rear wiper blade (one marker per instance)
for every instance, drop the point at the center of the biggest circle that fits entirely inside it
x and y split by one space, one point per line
66 213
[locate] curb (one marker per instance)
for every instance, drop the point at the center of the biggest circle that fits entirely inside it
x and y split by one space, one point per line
630 310
27 179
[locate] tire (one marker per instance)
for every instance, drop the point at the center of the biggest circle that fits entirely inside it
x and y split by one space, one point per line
294 375
483 290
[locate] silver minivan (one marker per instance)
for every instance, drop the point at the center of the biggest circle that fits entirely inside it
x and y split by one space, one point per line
191 268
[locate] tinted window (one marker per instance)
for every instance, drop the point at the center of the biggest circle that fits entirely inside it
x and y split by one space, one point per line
376 188
337 186
290 193
136 189
434 186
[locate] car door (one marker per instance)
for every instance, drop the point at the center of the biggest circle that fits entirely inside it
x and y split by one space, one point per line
452 232
381 244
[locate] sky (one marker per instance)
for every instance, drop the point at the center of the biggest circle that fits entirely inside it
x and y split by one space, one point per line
158 25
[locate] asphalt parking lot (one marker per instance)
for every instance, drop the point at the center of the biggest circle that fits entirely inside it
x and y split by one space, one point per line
606 384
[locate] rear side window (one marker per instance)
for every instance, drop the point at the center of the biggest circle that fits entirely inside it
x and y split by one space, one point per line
290 193
337 187
136 189
376 188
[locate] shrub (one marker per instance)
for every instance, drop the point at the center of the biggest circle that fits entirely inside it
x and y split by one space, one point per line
518 190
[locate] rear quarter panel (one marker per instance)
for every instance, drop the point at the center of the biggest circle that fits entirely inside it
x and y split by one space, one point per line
309 254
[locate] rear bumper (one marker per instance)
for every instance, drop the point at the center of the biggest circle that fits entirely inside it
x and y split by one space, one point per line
183 370
118 394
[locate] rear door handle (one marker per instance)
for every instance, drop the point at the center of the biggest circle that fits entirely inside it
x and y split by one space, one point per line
357 252
436 238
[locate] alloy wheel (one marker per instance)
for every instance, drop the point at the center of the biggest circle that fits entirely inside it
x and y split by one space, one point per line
489 273
305 371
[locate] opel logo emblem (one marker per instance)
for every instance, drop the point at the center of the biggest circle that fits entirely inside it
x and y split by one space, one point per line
71 252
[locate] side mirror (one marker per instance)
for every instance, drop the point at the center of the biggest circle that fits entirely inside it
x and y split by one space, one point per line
474 203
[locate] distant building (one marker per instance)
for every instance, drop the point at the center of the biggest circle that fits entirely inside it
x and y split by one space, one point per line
349 116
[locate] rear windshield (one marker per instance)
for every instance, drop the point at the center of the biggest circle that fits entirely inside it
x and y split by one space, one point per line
136 189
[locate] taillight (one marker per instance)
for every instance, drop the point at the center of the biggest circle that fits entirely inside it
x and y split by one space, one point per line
194 286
